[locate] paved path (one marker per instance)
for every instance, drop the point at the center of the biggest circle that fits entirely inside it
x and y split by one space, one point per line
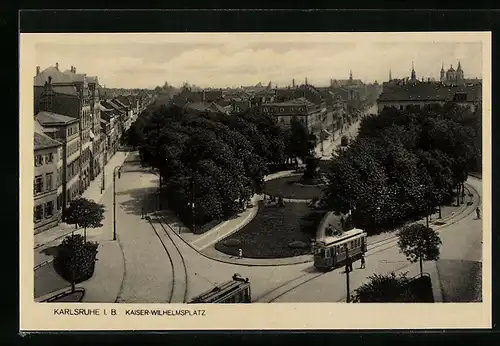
147 276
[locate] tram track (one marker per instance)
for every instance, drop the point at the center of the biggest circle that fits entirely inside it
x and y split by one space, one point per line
372 249
179 288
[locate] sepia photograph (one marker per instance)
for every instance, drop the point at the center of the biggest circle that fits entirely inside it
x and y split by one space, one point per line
172 172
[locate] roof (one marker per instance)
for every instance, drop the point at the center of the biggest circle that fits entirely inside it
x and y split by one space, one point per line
75 77
206 107
103 108
345 235
295 102
118 102
92 79
429 92
65 89
114 105
42 141
58 77
49 118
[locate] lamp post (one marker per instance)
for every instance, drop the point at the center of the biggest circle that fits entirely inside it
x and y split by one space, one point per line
114 201
347 269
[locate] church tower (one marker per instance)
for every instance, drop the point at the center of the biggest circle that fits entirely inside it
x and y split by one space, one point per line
350 75
460 74
413 74
441 76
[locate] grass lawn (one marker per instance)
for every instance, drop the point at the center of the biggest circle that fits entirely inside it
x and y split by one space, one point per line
269 234
287 188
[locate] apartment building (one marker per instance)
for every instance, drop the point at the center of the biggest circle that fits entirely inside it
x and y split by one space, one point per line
64 129
47 184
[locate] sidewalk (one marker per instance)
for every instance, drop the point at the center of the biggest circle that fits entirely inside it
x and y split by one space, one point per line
329 145
93 192
101 287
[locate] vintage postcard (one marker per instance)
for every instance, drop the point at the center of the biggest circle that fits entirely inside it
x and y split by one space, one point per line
255 181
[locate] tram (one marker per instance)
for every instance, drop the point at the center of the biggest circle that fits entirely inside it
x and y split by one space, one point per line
335 251
234 291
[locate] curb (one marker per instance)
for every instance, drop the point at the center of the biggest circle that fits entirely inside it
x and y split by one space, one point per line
477 176
38 266
228 261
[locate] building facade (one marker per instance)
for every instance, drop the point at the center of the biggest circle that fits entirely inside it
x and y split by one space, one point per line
65 130
313 117
429 93
47 188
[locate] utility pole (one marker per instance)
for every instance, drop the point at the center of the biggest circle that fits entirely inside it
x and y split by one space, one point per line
347 269
103 187
192 202
114 202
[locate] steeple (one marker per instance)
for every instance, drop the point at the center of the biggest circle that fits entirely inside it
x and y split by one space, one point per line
350 75
442 67
459 68
413 74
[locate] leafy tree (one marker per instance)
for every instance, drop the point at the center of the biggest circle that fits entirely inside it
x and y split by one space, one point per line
301 143
85 213
383 289
75 259
419 243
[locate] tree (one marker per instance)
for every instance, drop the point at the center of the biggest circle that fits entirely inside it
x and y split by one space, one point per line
301 143
75 259
419 243
85 213
383 289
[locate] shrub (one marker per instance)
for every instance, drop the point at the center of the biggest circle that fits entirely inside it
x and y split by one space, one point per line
297 244
75 260
231 242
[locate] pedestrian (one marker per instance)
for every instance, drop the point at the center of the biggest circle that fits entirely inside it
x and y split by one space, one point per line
240 253
362 262
478 213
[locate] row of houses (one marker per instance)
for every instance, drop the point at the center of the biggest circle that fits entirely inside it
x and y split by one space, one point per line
76 132
320 109
411 92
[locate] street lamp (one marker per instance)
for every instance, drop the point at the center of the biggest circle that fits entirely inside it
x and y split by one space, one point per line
347 269
114 200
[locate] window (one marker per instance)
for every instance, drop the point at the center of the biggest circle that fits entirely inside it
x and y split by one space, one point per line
38 213
282 110
49 158
59 202
38 160
265 110
401 108
49 209
38 184
48 181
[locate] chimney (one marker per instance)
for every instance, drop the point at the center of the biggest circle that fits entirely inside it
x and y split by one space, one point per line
37 70
293 83
74 69
50 80
57 66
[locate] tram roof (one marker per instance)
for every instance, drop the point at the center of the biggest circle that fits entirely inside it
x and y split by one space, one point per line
345 235
221 290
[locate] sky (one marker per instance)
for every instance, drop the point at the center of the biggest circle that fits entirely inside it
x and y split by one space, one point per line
222 60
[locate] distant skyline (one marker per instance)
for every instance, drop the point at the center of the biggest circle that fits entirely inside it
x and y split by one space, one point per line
231 60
